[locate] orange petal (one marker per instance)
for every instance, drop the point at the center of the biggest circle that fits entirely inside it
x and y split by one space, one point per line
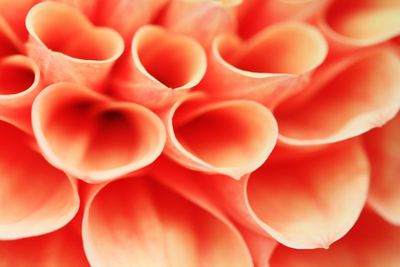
19 85
383 147
267 68
91 137
75 51
137 222
60 248
228 137
372 242
360 23
344 99
9 42
203 20
163 66
35 198
87 7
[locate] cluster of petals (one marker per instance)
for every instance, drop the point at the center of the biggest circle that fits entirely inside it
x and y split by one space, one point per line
200 133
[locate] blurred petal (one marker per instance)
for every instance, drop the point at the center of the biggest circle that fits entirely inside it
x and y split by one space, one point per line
383 147
9 42
372 242
70 52
135 222
364 87
228 137
91 137
267 68
35 198
146 78
60 248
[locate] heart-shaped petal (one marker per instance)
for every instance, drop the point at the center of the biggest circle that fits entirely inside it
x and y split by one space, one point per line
267 68
383 147
35 198
90 136
364 87
136 222
163 66
71 52
228 137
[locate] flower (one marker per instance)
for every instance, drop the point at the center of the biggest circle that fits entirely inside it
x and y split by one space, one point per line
199 133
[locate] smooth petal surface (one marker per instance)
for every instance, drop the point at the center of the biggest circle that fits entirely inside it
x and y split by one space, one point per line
71 52
372 242
146 77
60 248
90 136
228 137
35 198
135 222
9 42
383 147
203 20
364 87
267 68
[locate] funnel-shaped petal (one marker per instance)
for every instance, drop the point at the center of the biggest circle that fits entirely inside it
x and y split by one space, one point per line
203 20
346 98
60 248
372 242
35 198
229 137
19 85
75 51
268 67
383 147
162 67
136 222
90 136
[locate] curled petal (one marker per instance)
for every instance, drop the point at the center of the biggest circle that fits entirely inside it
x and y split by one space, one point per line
136 222
383 147
61 247
372 242
228 137
146 78
70 52
35 198
19 85
91 137
203 20
267 68
360 23
364 87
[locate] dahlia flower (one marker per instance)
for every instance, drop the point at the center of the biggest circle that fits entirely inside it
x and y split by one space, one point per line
200 133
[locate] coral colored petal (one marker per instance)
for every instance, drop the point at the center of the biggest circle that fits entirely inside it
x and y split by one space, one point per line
364 87
35 198
135 222
267 68
228 137
383 147
73 52
92 137
60 248
203 20
9 42
372 242
163 66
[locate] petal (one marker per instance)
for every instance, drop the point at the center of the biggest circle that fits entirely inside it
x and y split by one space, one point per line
73 52
163 66
254 69
136 222
9 42
372 242
35 198
90 136
354 86
203 20
60 248
383 147
228 137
